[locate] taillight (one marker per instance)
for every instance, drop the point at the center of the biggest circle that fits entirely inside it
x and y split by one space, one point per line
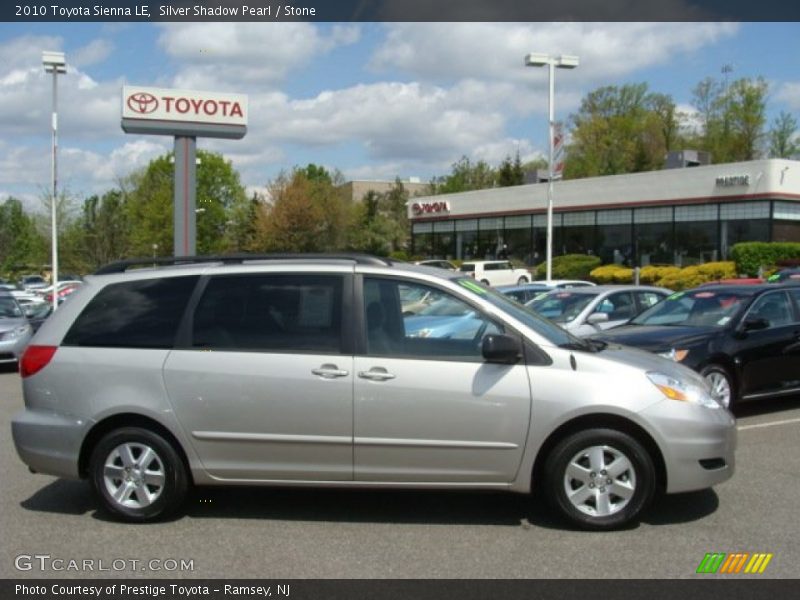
35 359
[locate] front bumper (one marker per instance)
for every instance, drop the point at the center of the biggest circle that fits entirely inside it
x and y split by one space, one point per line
11 350
698 444
49 443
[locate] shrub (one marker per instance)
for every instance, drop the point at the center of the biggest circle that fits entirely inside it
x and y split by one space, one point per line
651 274
717 270
683 279
612 274
570 266
750 256
399 255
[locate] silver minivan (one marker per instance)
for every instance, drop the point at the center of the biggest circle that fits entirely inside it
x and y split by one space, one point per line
306 370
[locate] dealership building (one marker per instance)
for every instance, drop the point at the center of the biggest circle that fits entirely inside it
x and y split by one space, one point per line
678 216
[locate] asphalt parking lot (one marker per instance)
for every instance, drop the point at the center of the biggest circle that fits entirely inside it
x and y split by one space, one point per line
258 532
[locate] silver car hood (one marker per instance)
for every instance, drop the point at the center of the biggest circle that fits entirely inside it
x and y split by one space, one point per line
615 357
7 324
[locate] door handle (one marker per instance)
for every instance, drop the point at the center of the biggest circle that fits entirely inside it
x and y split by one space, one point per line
330 372
376 374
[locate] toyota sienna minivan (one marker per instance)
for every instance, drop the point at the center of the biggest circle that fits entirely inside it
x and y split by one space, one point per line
303 370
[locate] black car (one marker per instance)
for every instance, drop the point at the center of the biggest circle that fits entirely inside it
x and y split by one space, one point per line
744 339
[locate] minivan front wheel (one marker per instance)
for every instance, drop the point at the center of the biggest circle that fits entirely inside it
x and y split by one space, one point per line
137 474
600 478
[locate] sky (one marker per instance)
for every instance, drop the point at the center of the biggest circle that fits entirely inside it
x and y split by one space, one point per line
373 100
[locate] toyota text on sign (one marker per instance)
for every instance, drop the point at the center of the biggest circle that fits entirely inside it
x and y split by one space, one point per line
184 106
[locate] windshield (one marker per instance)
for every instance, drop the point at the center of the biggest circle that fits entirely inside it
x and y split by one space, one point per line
561 307
9 309
467 268
545 328
697 308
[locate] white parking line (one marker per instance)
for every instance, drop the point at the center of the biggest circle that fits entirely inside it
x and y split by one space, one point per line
770 424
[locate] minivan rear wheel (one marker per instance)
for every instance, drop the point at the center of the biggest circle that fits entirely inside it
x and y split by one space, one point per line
600 478
137 474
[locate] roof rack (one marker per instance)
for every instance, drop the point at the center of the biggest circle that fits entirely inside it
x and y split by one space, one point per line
121 266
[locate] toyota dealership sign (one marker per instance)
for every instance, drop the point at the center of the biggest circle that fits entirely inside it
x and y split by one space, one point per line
183 112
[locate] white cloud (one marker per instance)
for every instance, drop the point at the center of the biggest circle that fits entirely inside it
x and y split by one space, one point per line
87 109
789 94
231 56
92 53
495 51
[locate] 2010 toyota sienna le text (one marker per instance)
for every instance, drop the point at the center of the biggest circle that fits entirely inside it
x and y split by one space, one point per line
304 371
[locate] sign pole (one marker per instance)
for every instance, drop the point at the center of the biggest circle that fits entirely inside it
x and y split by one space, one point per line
185 196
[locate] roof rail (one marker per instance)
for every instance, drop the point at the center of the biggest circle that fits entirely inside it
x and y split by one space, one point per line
121 266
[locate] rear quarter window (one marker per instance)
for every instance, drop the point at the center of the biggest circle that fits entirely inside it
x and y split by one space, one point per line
135 314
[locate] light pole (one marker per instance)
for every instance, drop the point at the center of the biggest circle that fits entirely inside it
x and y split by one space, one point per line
563 61
54 63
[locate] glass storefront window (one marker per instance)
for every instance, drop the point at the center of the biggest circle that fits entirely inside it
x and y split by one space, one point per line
696 242
653 244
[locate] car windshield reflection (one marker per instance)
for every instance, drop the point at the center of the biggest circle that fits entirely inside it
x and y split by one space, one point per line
699 308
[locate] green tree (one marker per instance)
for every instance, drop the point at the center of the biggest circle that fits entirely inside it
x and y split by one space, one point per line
101 234
621 129
465 176
307 212
783 141
510 172
224 213
732 118
371 230
22 246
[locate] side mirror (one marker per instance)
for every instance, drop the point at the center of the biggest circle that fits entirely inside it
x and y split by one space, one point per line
502 349
754 324
597 318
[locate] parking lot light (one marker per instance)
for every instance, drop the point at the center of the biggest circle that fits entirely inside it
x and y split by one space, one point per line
564 61
55 63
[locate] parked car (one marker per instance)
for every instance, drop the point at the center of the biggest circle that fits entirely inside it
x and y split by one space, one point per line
37 314
15 331
32 282
439 264
744 340
523 293
306 370
791 275
587 310
64 290
495 272
62 285
6 285
564 284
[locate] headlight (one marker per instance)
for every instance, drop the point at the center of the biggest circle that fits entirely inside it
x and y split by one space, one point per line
16 333
674 354
682 391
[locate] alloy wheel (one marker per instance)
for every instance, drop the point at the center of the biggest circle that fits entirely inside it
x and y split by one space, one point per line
600 481
134 475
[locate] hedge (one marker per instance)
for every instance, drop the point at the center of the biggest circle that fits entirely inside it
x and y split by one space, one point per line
750 256
670 277
570 266
612 274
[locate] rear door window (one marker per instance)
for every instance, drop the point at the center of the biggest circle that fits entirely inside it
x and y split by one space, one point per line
270 313
133 314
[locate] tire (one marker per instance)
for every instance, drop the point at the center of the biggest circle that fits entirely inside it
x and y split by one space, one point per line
485 282
723 389
576 481
522 280
146 492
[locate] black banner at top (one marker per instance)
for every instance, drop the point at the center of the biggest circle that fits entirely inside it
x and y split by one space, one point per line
399 10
